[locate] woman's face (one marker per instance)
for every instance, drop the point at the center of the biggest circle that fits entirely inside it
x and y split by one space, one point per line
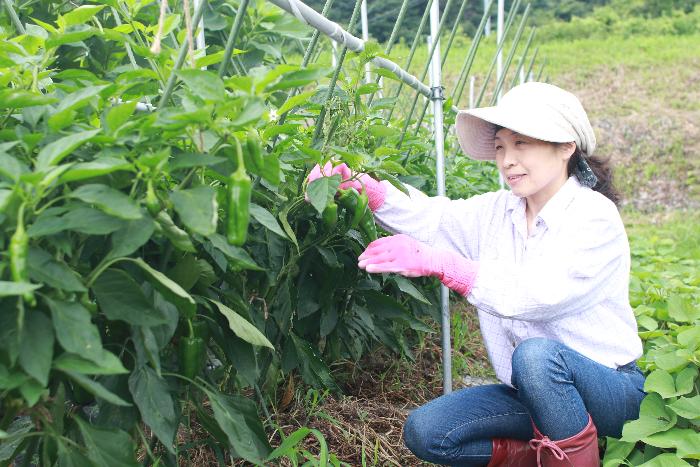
532 168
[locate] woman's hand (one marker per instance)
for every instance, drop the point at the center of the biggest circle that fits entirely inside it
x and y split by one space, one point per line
375 190
404 255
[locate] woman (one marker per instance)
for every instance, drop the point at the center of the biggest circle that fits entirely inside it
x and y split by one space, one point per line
546 264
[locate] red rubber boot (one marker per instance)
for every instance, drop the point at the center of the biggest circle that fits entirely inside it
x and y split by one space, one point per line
580 450
512 453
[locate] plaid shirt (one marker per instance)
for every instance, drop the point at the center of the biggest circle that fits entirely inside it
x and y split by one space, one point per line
567 280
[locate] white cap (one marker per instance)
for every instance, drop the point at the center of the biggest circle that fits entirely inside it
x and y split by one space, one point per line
538 110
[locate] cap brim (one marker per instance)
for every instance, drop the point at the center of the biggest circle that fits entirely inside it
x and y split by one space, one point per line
476 129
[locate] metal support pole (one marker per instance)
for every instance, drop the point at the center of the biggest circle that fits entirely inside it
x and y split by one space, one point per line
437 98
365 35
499 38
199 41
487 29
472 79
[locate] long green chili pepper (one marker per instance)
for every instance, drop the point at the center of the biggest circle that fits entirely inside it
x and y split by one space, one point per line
175 234
254 148
330 215
19 246
367 226
152 203
360 210
191 352
238 196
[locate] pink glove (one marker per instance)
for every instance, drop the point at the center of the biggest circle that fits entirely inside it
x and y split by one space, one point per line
404 255
376 191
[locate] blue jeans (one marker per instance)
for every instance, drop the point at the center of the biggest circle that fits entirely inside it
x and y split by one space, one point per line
555 387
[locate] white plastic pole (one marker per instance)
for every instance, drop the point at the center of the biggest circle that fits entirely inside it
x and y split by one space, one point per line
472 81
499 37
499 60
365 35
199 40
437 100
522 75
487 28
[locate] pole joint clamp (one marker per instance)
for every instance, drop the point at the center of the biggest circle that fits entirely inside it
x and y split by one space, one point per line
437 92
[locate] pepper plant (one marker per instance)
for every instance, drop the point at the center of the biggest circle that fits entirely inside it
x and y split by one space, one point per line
161 267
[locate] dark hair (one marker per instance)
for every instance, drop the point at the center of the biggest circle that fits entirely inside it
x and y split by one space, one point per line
602 169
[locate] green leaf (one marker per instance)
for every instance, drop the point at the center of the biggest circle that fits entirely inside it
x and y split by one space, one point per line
616 452
96 168
95 388
407 286
189 160
109 200
666 460
79 15
154 401
74 329
169 289
43 268
313 369
54 152
264 216
661 382
653 418
121 298
288 446
31 390
19 98
10 289
107 447
685 441
36 347
388 308
132 236
119 115
106 363
686 407
671 361
681 309
197 207
690 337
18 427
322 191
204 84
685 380
240 258
243 328
253 109
292 102
238 418
83 219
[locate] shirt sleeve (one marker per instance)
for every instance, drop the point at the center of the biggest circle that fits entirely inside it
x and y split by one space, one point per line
435 220
573 275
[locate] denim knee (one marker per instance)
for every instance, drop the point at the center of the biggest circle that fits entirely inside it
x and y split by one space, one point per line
420 433
533 359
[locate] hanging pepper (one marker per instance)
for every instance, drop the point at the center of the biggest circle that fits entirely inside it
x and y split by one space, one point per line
238 195
360 210
330 215
19 246
254 149
191 352
152 203
368 227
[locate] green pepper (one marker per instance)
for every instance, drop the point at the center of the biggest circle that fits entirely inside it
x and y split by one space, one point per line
19 246
200 328
254 148
152 202
175 234
238 196
360 210
330 215
191 352
367 226
348 199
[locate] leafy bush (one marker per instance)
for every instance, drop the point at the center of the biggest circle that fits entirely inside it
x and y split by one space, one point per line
124 307
665 293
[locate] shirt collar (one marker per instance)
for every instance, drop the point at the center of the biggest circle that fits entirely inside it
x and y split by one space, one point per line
553 209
